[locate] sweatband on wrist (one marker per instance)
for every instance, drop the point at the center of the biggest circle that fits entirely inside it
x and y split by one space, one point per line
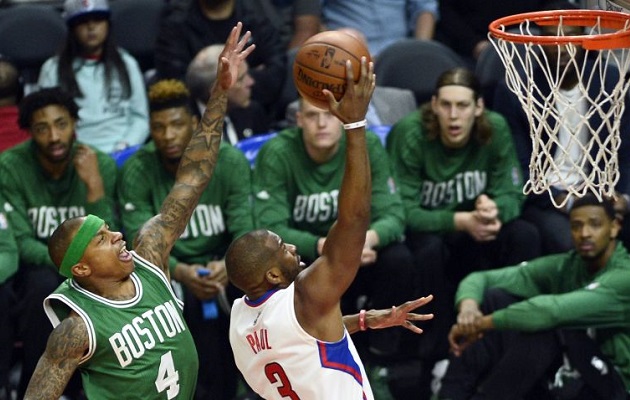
79 243
354 125
362 325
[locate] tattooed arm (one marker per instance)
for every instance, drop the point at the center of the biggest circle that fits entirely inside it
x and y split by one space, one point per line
67 343
156 238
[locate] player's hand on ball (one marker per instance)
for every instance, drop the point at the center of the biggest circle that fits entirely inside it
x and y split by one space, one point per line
354 104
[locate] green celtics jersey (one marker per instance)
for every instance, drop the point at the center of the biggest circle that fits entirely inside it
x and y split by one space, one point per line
223 213
139 348
436 181
297 198
39 204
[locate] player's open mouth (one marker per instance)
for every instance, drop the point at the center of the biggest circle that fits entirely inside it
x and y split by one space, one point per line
123 254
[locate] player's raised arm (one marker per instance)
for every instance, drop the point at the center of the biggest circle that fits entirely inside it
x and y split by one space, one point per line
157 236
323 283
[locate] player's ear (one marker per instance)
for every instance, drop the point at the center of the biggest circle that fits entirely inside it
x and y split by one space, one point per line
81 270
274 276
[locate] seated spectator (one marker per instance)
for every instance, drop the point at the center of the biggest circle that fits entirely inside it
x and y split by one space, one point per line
223 213
296 181
8 268
10 95
296 20
552 222
189 27
383 23
463 24
245 117
105 81
461 187
46 180
516 323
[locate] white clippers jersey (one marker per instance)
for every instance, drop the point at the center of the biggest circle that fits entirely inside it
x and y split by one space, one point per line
279 360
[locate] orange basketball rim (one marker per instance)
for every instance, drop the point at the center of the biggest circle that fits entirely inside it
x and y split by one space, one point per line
618 22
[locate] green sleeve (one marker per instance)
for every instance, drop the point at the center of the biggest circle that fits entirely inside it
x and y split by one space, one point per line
106 206
31 251
238 205
406 146
272 209
525 280
134 196
582 308
554 295
387 210
505 183
8 247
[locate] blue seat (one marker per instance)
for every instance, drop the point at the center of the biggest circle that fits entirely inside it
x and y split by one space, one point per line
122 155
381 131
251 146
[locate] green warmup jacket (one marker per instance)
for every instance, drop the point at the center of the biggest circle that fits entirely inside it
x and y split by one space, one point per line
8 247
435 181
39 204
559 292
224 211
297 198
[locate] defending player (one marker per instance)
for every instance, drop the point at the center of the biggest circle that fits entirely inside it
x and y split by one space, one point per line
116 318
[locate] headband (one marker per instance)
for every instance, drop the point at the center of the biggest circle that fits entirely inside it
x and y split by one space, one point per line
77 247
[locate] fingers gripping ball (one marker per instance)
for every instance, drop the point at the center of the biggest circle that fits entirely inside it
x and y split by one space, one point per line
321 64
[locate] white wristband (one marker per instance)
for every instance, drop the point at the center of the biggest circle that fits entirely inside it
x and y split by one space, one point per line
354 125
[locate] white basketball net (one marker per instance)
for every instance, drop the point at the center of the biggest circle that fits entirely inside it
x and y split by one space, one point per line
553 152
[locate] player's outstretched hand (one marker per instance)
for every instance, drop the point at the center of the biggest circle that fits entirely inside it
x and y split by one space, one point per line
399 316
355 101
234 53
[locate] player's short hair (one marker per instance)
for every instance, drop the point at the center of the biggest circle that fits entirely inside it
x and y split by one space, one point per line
43 98
590 199
169 93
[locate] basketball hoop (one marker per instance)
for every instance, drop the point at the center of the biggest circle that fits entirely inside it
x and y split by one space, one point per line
555 140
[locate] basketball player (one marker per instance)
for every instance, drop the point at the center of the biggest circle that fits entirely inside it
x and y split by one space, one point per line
116 318
287 332
223 213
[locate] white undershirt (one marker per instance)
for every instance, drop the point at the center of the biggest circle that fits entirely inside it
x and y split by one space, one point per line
572 136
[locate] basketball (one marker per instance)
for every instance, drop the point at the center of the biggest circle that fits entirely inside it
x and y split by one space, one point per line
320 63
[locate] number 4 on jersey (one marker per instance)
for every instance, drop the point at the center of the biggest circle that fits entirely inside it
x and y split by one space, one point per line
167 376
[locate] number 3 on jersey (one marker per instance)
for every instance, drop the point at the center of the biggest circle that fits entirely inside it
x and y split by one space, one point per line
275 372
167 377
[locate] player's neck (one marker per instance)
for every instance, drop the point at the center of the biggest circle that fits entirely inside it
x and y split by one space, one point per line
118 290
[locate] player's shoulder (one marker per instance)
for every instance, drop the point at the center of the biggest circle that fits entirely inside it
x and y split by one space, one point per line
232 155
498 123
145 157
283 143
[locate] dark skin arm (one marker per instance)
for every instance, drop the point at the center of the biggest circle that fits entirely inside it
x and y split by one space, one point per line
67 343
158 235
319 287
395 316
